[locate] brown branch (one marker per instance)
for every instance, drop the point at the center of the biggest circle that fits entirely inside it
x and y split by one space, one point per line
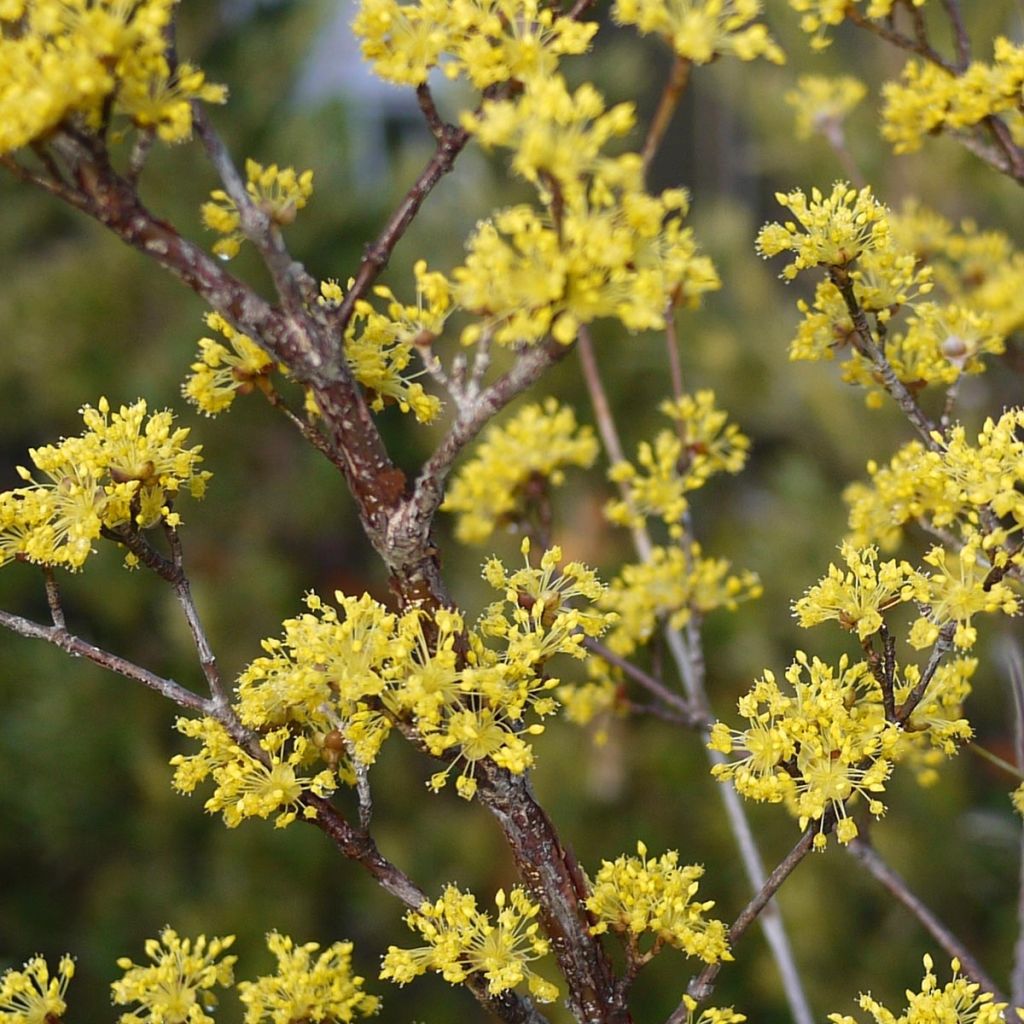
675 86
183 592
702 986
449 145
60 637
682 709
870 859
866 346
553 877
961 40
941 648
898 39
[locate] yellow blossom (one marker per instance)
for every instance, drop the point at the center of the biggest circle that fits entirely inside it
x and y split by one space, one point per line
222 373
487 41
72 61
829 231
673 585
123 472
246 786
462 939
814 747
307 989
700 30
278 192
820 15
682 460
534 446
822 103
959 1001
655 897
858 597
176 987
32 995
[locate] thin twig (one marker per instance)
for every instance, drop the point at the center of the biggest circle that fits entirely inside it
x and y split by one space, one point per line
53 598
688 659
79 648
1015 665
865 344
961 40
681 708
183 592
449 145
898 39
940 649
872 861
702 986
675 86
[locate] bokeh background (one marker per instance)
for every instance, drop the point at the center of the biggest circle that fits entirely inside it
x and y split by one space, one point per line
96 851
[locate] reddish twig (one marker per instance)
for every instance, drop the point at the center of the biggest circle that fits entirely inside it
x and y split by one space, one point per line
870 859
675 86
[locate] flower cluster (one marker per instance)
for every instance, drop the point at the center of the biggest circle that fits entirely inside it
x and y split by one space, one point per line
122 473
462 940
378 349
828 231
531 448
642 896
248 786
822 103
818 16
837 734
278 192
69 61
812 748
176 987
379 346
672 586
889 263
34 996
703 30
324 698
858 596
485 41
224 371
682 460
929 99
622 254
955 488
307 989
959 1001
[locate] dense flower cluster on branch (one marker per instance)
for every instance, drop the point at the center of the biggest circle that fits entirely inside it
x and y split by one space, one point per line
75 61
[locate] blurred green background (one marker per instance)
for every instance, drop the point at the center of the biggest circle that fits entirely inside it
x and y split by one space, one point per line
96 851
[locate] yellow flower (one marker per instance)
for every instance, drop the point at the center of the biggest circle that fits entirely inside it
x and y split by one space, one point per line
244 786
858 597
701 30
221 373
959 1001
487 41
177 986
32 995
304 989
279 192
534 446
830 231
655 897
64 59
462 940
822 103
